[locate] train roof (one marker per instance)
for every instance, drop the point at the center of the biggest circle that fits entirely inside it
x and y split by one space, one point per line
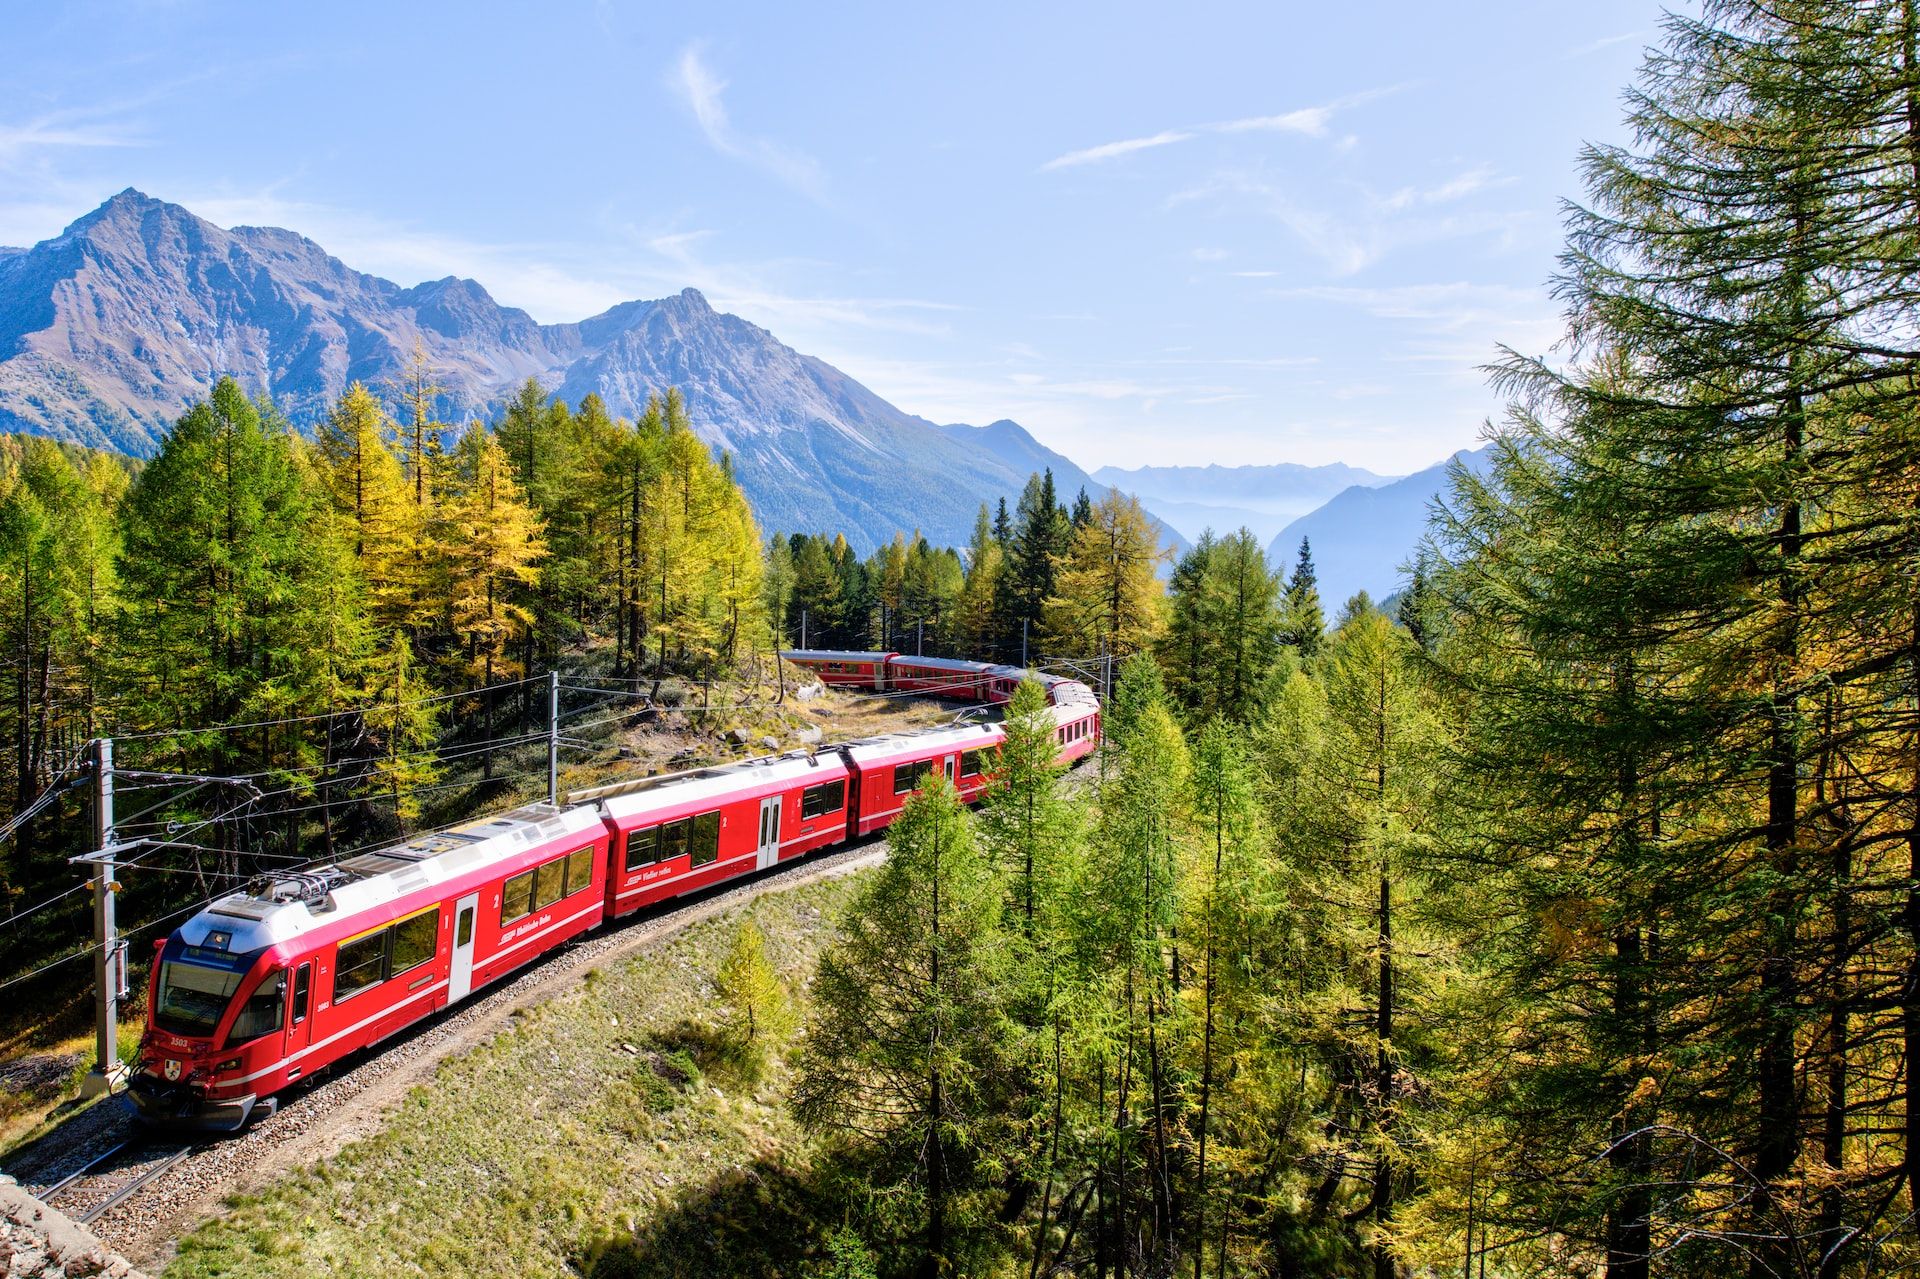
741 779
286 904
832 655
1071 692
930 741
943 664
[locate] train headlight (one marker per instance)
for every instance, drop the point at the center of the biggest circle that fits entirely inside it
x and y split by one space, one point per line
232 1063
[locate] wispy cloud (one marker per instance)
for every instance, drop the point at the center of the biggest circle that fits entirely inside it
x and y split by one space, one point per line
1110 150
51 131
1309 122
1455 305
1452 327
1350 237
1455 188
1605 42
703 93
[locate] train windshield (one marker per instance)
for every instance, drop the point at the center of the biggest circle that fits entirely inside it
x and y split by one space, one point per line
196 985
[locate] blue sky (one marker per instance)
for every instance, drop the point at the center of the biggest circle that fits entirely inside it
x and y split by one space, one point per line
1151 233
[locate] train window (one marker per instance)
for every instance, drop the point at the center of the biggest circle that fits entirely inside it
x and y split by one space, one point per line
260 1015
302 993
970 763
643 847
193 997
827 797
551 884
907 777
579 869
673 840
415 941
360 965
706 838
516 899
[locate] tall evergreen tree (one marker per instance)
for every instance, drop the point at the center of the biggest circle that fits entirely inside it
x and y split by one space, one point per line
368 487
490 554
1108 593
1735 452
1039 539
219 546
1306 621
908 1007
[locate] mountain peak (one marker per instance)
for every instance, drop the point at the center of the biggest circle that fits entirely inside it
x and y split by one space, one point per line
127 206
130 198
693 302
108 332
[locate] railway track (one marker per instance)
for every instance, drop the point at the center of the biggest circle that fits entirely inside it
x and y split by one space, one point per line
131 1162
109 1179
108 1185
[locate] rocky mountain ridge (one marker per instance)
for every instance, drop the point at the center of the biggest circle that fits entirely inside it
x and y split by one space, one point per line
108 330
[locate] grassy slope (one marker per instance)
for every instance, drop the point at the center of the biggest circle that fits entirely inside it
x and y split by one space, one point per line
535 1146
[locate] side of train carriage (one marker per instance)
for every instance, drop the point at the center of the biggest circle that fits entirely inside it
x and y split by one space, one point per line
265 987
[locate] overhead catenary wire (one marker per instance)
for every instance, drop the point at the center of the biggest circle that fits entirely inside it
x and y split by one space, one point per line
137 929
249 726
18 915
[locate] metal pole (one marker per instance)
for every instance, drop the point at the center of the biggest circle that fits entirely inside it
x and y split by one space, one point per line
1023 642
107 1072
803 630
920 638
553 738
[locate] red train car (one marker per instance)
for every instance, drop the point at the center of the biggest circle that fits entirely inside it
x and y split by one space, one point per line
891 768
673 834
856 670
940 677
1076 712
268 985
258 990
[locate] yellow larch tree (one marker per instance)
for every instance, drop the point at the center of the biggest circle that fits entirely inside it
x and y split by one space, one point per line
363 479
490 554
1108 594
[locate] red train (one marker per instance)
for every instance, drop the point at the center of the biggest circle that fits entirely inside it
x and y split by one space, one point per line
269 985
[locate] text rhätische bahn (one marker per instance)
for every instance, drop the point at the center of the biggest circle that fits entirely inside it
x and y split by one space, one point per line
265 987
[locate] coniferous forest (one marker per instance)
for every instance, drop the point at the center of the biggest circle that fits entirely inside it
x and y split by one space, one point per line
1563 922
1559 916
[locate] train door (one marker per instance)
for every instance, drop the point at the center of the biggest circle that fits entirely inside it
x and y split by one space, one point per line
950 761
299 1010
769 831
460 976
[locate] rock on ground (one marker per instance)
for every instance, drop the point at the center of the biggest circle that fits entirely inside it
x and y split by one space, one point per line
38 1242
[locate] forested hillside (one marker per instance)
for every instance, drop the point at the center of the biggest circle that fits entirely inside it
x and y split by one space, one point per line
298 614
1566 922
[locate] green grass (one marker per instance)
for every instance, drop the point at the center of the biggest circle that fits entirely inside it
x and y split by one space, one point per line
598 1123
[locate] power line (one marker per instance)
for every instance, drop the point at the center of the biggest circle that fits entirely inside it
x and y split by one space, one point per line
31 910
323 715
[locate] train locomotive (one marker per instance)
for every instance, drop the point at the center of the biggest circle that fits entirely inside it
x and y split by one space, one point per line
268 985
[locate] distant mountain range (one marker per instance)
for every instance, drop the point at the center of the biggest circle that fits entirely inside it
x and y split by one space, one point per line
1262 499
108 331
1363 534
